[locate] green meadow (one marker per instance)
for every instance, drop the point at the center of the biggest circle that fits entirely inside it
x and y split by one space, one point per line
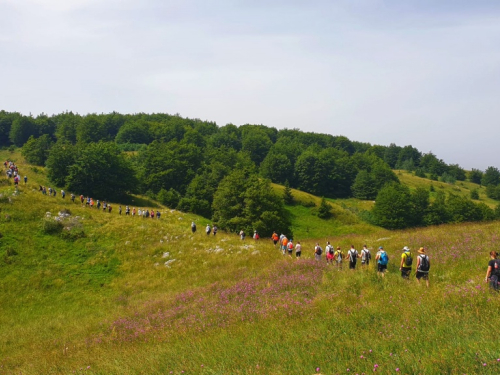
102 293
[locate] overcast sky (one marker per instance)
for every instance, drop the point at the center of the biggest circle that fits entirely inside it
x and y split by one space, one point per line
419 72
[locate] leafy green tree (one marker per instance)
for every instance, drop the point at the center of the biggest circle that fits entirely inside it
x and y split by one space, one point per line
487 213
91 129
493 192
431 164
45 125
101 171
67 123
61 157
257 144
491 177
228 136
420 205
276 167
497 211
134 132
448 178
244 201
391 155
419 172
461 209
393 207
6 120
324 209
36 150
364 186
457 172
475 176
437 212
169 198
474 194
287 194
22 128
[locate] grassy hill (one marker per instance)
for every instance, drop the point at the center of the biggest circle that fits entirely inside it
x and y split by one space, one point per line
111 294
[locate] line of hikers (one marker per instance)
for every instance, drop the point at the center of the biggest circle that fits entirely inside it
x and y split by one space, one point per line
13 171
337 257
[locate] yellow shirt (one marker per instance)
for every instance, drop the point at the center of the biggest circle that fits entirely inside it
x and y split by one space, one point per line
403 256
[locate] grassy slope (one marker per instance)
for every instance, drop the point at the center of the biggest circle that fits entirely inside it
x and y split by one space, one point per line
101 301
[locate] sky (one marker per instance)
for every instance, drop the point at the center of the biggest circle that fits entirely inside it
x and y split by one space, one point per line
424 73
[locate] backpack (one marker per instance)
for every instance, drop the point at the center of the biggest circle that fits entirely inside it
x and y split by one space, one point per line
368 254
339 255
330 249
424 263
384 259
408 259
319 250
352 256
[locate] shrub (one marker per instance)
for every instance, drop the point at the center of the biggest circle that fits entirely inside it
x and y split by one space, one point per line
50 226
474 194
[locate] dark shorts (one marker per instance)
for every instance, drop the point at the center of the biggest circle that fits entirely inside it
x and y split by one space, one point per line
275 242
494 282
405 273
297 254
381 267
352 265
422 275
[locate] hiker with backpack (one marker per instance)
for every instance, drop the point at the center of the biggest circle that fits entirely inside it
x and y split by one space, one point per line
275 238
298 250
406 263
317 252
382 259
215 230
423 266
284 242
208 230
365 256
493 272
338 256
353 256
289 247
193 227
329 253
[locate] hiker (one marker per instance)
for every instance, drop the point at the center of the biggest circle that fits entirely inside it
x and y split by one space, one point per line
298 250
275 238
317 252
158 214
119 210
98 204
139 212
256 235
147 214
133 211
208 230
284 242
25 180
338 256
73 197
109 208
152 214
423 266
193 227
81 198
406 262
242 234
382 260
63 193
353 257
54 191
289 247
329 253
127 210
365 256
104 206
215 230
493 271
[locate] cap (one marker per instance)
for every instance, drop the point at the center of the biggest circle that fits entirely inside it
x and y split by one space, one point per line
381 248
406 248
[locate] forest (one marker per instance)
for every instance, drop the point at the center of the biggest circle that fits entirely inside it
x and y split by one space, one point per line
224 172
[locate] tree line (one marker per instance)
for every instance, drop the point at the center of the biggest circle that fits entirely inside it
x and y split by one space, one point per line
217 172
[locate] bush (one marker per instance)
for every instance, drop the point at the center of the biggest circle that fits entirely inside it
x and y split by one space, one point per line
324 209
51 226
474 194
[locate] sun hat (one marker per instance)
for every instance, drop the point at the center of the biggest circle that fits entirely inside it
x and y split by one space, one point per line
406 248
381 248
421 250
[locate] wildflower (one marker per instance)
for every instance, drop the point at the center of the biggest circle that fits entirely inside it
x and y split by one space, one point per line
397 369
317 369
484 364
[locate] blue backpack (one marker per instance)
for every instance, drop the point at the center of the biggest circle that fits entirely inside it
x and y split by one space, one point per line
384 259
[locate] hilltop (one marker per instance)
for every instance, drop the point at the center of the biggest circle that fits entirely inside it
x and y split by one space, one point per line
125 295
